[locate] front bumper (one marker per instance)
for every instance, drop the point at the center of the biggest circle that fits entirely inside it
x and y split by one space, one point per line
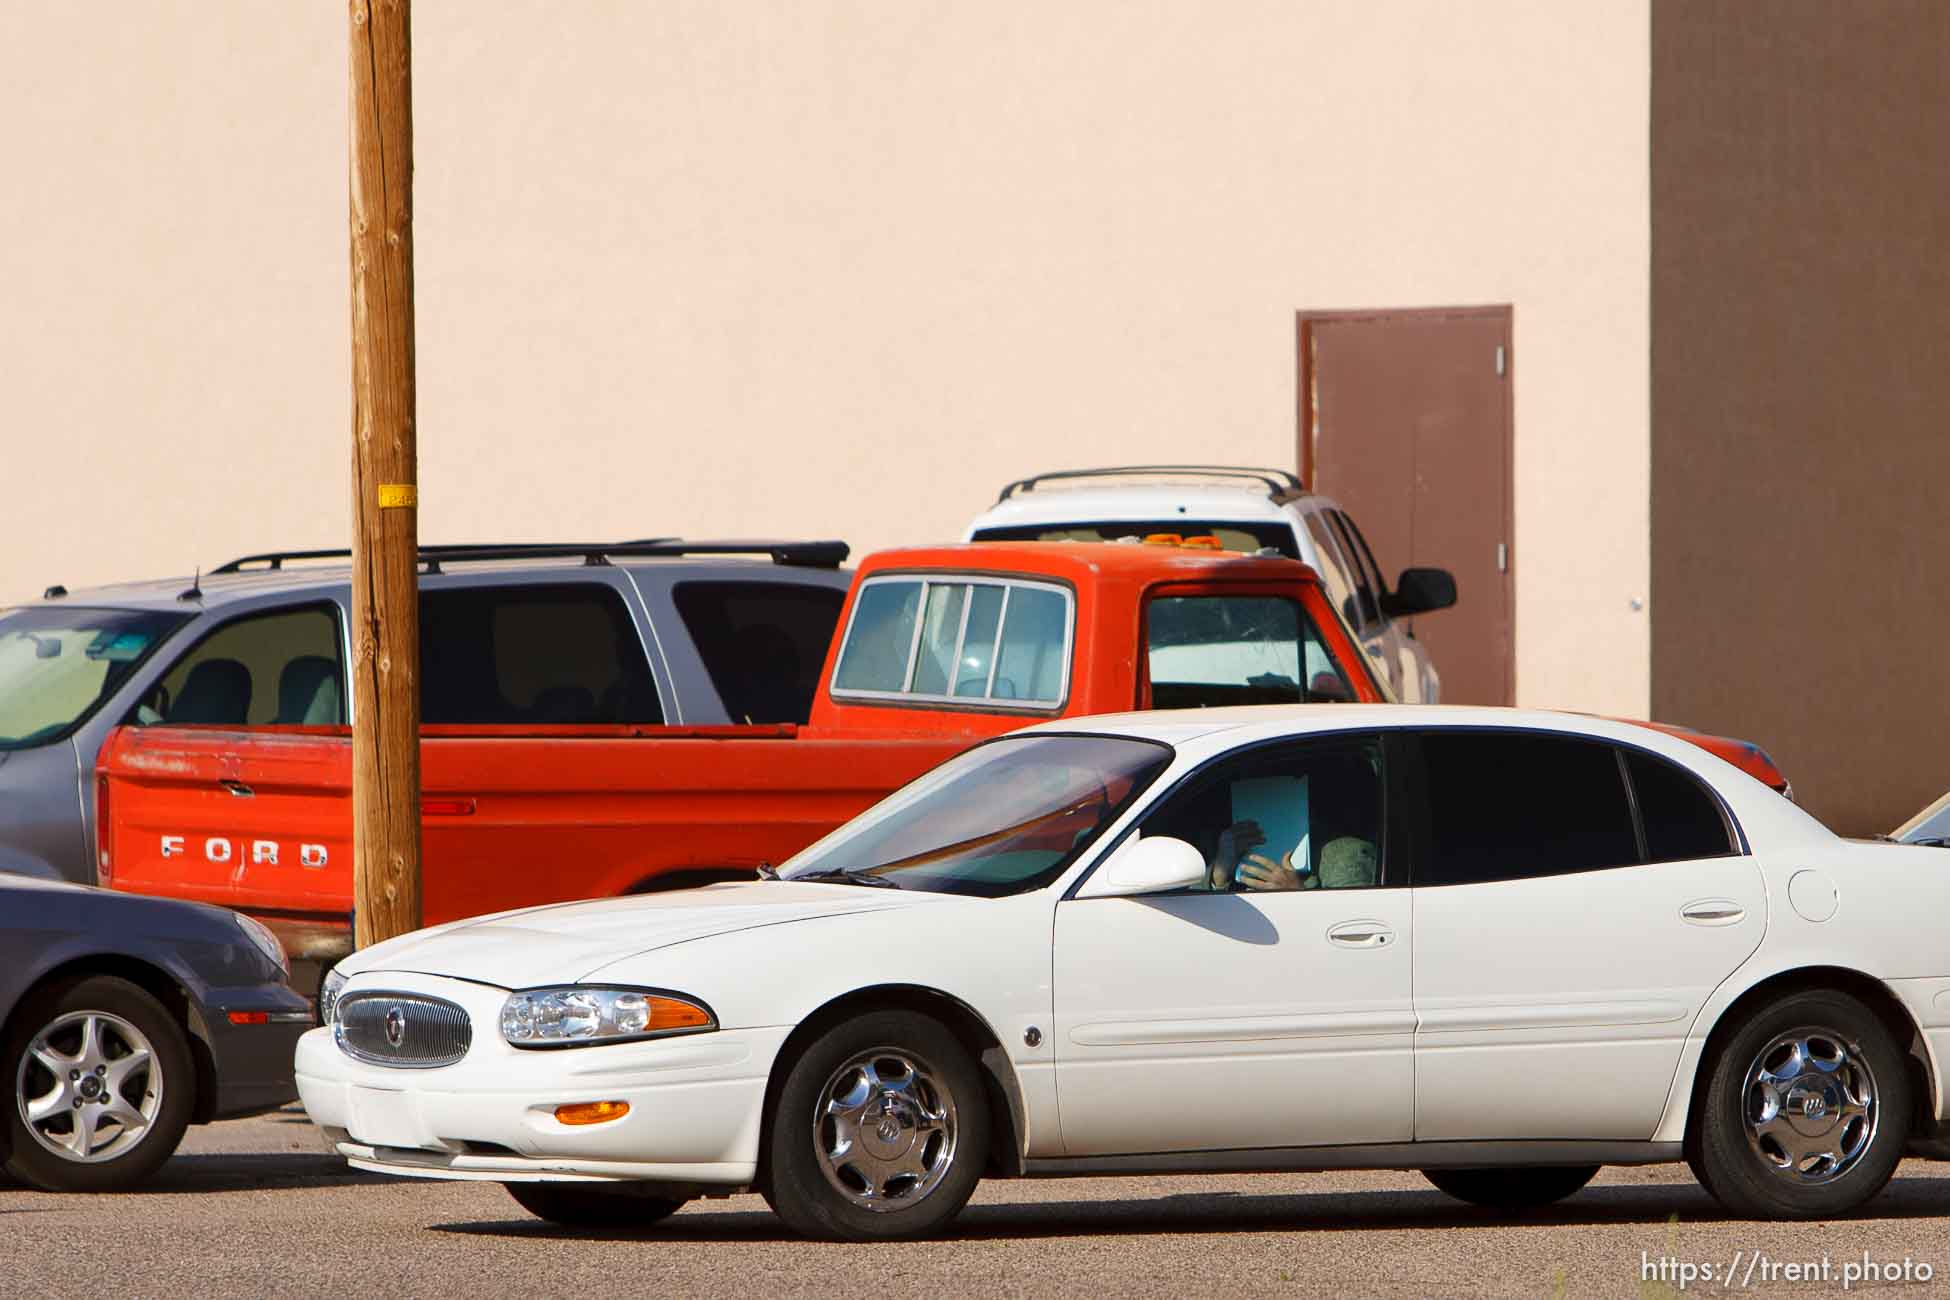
695 1103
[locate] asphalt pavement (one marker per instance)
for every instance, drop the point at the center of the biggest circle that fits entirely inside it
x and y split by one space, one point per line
256 1207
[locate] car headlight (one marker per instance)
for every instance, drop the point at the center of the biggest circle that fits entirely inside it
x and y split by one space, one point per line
265 942
328 995
580 1016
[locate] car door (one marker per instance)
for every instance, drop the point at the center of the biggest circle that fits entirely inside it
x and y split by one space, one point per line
1233 1017
1575 903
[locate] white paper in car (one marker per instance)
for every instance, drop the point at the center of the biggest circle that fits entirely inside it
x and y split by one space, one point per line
1279 805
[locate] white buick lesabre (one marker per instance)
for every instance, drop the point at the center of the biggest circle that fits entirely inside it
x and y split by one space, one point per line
1502 947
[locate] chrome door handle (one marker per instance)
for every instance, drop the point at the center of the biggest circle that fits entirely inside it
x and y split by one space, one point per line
1713 911
1360 934
236 787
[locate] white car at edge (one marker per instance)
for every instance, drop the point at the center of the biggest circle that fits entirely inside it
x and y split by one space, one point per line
1502 947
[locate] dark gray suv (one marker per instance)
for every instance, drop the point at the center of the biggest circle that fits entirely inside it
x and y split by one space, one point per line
664 631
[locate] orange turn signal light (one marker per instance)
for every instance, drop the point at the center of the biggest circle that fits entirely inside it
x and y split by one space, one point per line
592 1112
674 1013
1162 539
1205 542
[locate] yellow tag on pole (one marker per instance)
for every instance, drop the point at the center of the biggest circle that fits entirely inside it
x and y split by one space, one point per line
398 496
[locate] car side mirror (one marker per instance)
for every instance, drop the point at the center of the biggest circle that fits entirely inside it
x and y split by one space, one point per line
1420 591
1149 864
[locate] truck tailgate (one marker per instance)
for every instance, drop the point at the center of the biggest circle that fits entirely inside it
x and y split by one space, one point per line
261 820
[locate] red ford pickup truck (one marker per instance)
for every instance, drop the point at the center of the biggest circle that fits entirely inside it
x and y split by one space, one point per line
936 648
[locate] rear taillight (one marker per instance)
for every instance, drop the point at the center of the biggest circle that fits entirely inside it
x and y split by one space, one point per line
104 867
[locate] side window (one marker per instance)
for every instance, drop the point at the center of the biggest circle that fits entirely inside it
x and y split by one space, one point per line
1366 601
1512 805
567 653
1336 573
763 643
282 667
966 640
1214 650
1305 816
1682 821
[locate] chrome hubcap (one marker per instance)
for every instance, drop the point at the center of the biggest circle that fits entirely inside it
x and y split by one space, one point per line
1810 1106
88 1087
885 1130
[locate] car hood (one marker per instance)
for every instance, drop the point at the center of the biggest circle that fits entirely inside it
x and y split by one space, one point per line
564 942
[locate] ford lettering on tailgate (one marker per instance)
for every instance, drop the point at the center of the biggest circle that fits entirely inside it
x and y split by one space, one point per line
218 849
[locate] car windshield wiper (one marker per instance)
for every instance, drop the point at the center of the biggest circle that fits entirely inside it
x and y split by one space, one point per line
848 876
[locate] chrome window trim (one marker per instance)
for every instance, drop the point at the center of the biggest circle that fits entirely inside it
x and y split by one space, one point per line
988 699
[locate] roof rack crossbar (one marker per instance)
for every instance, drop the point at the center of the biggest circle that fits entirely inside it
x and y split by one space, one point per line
829 554
1279 482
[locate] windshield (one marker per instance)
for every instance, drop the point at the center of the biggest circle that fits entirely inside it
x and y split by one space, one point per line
58 665
1004 818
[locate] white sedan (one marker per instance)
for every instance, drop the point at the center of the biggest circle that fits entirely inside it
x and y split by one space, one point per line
1501 947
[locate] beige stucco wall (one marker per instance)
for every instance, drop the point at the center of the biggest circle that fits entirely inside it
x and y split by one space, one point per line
811 268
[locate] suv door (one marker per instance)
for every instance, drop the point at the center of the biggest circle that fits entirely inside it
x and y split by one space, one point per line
1241 1016
1575 904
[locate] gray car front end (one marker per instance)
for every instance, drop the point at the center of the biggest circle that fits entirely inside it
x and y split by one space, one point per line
123 1019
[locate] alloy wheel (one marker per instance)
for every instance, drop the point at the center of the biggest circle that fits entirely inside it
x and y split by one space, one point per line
89 1087
885 1128
1810 1105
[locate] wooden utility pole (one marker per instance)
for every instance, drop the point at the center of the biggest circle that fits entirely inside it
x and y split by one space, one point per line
385 493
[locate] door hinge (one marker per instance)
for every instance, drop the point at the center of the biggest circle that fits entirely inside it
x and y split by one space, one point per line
1502 360
1503 557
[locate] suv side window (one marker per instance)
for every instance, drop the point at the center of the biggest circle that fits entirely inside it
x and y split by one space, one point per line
1368 585
1285 817
1340 577
763 643
1511 805
1214 650
1682 821
547 653
279 667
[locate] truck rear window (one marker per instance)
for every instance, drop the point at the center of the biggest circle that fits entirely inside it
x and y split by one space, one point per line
985 642
1217 650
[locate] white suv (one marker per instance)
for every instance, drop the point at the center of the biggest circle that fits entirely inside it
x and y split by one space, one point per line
1246 510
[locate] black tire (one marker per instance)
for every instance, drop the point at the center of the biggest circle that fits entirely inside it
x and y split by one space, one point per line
594 1205
165 1088
1513 1188
1745 1174
936 1111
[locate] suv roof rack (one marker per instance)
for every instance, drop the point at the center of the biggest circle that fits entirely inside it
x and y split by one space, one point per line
812 555
1279 483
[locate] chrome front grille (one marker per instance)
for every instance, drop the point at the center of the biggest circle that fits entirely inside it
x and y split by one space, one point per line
407 1030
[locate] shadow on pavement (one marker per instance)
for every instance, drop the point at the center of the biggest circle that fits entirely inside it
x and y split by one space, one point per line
1228 1212
266 1170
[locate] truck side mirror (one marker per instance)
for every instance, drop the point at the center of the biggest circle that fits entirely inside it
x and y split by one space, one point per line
1150 864
1420 591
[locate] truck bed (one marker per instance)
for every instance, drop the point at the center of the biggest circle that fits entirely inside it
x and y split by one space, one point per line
260 819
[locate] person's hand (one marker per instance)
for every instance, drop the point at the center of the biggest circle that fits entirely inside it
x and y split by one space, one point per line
1235 841
1261 872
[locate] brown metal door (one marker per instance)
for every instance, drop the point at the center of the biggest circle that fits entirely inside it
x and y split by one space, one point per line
1406 421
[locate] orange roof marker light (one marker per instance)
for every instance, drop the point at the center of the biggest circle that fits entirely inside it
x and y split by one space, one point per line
1202 542
591 1112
